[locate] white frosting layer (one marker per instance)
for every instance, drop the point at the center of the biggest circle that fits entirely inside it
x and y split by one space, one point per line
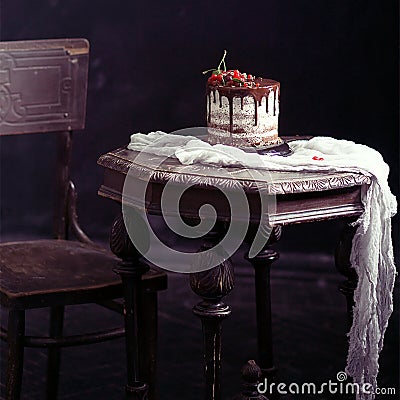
252 122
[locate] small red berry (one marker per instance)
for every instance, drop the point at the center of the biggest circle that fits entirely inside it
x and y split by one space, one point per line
214 77
236 74
257 84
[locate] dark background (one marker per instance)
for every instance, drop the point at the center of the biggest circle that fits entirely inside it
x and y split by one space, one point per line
337 62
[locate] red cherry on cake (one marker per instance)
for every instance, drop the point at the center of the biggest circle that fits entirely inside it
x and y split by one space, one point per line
231 77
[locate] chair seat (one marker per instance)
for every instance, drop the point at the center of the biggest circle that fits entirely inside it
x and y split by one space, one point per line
45 273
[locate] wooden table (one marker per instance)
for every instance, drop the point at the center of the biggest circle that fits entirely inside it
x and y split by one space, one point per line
300 197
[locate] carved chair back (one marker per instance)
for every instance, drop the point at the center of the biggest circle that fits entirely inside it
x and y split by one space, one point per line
43 87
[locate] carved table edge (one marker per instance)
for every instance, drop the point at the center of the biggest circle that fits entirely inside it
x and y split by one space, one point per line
340 180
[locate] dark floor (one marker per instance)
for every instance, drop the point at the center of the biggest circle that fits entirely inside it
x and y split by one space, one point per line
309 337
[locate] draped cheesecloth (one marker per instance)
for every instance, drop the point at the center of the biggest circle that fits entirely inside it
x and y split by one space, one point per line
372 251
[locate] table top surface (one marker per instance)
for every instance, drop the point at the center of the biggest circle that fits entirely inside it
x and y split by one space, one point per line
163 170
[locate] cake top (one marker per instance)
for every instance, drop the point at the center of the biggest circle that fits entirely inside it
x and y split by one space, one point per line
233 78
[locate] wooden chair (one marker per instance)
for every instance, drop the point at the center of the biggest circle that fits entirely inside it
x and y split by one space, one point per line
43 87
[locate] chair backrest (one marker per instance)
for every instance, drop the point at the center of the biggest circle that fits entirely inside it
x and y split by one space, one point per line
43 86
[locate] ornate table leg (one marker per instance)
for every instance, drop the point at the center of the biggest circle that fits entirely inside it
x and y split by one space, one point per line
251 374
262 266
342 262
212 285
130 269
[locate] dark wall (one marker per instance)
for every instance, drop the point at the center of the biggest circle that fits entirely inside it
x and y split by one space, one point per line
337 62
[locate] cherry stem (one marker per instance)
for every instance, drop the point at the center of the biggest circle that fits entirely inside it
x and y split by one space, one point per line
219 65
222 61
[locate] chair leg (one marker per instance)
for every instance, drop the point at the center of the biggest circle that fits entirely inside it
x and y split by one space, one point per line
15 359
148 341
54 353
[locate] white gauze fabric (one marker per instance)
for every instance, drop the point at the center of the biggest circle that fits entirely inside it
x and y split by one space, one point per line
372 251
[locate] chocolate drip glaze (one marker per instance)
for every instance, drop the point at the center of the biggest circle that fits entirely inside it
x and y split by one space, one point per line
266 102
209 108
230 99
265 87
255 111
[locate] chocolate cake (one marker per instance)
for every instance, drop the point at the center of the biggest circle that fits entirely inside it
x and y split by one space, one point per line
242 110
